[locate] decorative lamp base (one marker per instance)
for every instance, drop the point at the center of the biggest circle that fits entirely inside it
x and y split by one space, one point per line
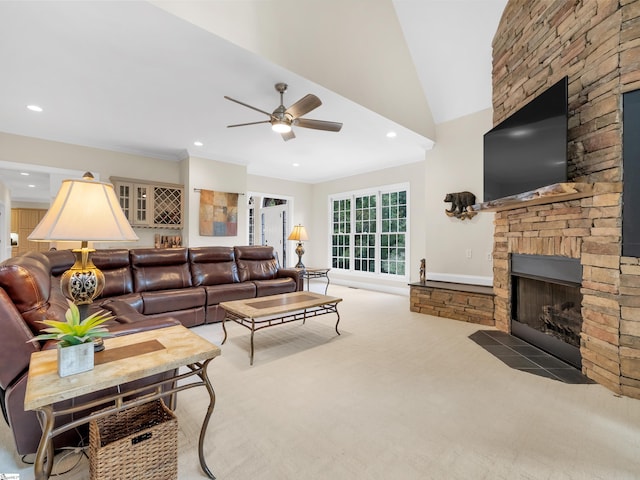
83 281
300 252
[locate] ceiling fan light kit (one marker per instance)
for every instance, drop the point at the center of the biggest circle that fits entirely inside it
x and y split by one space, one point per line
283 118
280 126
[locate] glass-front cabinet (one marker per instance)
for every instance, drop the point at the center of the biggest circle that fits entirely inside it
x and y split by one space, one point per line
140 207
152 205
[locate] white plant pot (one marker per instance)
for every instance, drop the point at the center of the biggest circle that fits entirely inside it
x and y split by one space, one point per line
75 359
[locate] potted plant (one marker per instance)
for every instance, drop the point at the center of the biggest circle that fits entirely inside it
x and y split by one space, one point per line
75 339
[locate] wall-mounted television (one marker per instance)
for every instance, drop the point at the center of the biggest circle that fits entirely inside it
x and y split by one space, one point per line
528 150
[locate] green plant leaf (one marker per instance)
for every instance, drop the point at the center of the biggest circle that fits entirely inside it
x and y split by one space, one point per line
74 331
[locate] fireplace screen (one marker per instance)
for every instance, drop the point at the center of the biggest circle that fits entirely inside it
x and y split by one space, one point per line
550 308
546 304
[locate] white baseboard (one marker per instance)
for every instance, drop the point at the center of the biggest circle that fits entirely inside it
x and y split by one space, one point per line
399 290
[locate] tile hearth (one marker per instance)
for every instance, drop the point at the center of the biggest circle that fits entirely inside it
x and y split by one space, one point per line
522 356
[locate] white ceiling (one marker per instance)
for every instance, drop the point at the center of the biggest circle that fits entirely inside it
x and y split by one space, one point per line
132 77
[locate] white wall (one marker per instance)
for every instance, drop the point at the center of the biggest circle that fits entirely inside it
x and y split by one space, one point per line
455 165
102 163
299 196
220 177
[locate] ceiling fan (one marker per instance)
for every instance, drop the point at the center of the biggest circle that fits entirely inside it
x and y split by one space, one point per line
282 119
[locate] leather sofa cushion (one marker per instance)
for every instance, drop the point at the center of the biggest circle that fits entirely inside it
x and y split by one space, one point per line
256 263
60 261
26 280
188 318
173 301
15 354
160 269
115 266
213 265
227 293
275 286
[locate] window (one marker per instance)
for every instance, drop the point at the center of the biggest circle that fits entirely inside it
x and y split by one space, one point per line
369 231
365 234
394 231
340 239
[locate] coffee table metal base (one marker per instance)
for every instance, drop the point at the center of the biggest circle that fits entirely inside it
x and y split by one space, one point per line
255 324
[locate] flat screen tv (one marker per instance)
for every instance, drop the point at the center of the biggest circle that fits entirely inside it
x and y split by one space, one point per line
528 150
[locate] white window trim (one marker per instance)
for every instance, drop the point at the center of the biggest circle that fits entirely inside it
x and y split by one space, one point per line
378 191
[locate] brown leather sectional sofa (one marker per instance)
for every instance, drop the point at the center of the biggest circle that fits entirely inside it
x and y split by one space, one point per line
145 288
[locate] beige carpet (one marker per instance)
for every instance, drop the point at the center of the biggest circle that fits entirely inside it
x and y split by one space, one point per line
397 396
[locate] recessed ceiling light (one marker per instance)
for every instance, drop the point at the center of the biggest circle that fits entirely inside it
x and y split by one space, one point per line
26 174
34 108
31 186
392 134
296 164
198 144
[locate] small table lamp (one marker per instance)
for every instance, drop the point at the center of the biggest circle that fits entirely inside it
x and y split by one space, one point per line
299 234
84 210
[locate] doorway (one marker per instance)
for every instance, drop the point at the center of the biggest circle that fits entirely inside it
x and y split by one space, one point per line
269 223
5 247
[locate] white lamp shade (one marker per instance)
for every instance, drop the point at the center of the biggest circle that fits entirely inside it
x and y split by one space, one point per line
298 233
84 210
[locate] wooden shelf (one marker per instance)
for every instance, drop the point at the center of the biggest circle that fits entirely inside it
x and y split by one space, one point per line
559 192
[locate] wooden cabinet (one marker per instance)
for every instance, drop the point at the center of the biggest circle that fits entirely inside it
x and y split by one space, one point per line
23 221
151 205
14 229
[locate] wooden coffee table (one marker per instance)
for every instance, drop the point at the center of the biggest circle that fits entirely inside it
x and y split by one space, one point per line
262 312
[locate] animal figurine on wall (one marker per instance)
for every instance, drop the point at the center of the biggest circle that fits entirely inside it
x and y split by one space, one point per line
461 205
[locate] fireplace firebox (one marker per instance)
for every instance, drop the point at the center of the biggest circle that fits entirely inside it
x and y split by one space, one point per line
546 304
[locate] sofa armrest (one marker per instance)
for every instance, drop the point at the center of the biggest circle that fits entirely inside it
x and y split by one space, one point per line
123 311
295 273
143 325
129 320
16 346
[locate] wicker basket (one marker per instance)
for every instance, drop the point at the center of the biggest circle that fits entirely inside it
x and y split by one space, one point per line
136 443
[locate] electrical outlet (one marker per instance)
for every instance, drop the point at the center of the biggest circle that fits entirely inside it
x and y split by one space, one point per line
489 256
469 253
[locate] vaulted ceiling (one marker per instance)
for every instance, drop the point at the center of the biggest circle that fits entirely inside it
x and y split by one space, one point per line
150 77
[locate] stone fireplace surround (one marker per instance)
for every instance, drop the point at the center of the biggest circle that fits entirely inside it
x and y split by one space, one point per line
596 44
582 228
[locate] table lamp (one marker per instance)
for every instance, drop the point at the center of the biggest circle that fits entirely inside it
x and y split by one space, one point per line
84 210
299 234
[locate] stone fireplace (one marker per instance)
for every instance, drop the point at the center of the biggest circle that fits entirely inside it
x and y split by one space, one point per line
546 304
595 44
579 235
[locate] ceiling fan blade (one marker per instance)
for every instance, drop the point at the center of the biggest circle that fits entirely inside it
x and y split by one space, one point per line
318 124
250 123
248 106
304 105
288 136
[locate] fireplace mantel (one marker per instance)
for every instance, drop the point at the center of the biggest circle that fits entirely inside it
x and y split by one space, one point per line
558 192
